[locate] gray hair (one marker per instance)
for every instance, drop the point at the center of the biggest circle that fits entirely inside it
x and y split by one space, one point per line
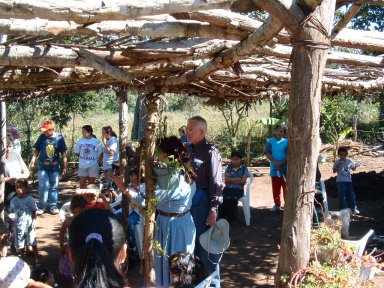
200 121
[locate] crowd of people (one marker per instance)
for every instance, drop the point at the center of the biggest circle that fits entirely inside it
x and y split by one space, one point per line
195 203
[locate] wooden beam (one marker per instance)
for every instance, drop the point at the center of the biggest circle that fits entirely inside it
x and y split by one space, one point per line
89 11
175 28
99 63
345 19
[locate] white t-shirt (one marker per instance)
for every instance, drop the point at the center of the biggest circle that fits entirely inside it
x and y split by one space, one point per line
89 150
13 166
113 144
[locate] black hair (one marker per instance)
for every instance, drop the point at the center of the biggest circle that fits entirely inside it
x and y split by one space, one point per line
109 131
22 182
183 129
281 126
172 146
78 201
342 149
89 129
93 261
187 270
40 274
236 154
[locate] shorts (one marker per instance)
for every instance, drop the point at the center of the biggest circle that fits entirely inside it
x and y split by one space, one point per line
24 235
89 172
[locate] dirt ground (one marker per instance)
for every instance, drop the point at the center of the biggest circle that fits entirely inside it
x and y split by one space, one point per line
251 260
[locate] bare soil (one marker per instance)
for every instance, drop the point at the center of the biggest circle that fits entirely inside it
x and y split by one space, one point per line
251 260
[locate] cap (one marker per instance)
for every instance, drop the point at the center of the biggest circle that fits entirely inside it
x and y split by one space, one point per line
48 125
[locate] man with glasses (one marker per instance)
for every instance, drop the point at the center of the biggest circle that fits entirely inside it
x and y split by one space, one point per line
48 147
206 162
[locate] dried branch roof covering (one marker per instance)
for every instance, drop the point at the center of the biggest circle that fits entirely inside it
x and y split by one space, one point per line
185 46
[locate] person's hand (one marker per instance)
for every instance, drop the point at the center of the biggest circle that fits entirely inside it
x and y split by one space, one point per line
118 180
31 165
211 219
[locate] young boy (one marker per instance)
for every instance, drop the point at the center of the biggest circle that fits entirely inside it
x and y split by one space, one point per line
24 208
342 167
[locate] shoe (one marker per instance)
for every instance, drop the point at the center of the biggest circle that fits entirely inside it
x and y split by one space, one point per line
39 211
356 211
275 208
54 210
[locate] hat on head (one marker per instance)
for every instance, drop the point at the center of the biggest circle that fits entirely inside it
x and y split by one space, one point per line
14 272
48 125
216 239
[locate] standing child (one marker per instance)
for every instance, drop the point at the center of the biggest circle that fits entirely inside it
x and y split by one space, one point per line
343 167
24 208
88 150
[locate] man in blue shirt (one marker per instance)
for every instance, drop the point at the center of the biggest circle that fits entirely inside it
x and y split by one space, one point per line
48 147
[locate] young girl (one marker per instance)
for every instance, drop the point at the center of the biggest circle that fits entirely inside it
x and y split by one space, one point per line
276 151
88 150
24 208
78 205
236 176
186 270
110 154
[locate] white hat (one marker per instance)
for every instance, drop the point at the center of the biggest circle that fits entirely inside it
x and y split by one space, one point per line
14 272
216 239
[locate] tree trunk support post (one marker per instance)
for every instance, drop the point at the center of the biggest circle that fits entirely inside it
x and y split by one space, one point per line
123 133
153 102
3 146
310 40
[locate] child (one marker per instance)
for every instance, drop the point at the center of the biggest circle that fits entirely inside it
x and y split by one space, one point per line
78 205
236 176
342 167
276 152
88 150
24 208
92 195
186 270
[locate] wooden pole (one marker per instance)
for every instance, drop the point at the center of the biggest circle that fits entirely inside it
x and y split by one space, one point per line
123 129
3 145
153 102
309 57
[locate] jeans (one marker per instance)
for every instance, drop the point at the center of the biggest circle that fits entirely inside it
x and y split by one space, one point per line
199 213
48 188
133 220
346 195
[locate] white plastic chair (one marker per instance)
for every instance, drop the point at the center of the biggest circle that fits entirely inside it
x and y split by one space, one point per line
246 200
324 192
359 244
207 281
65 211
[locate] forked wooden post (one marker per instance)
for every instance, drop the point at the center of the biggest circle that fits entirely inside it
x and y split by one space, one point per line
149 148
3 145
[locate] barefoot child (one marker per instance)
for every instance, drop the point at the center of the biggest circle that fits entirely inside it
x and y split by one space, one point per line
24 208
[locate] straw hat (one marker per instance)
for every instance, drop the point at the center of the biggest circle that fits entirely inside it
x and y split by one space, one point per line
216 239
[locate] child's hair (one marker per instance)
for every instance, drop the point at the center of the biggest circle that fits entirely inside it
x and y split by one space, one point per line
40 274
22 182
236 154
187 270
281 126
95 240
78 201
342 149
183 129
89 129
109 131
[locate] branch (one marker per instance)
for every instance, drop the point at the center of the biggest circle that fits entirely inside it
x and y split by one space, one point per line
175 28
90 11
352 11
100 64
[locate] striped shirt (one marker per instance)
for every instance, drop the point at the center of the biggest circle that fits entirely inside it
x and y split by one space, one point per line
206 162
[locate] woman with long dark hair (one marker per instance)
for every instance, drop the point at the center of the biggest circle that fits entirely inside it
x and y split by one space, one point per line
97 248
110 155
174 191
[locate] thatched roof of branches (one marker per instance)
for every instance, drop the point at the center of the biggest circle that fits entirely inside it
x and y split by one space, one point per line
204 48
